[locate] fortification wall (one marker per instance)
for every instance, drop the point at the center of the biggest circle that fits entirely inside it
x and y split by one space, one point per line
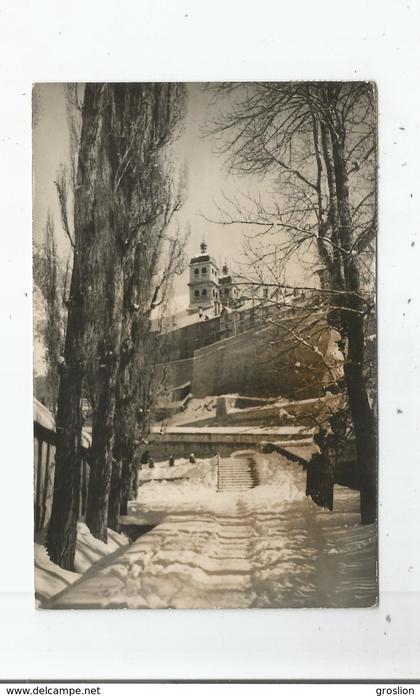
184 341
292 355
180 442
267 361
179 372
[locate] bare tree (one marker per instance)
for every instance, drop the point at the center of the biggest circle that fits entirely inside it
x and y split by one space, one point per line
61 537
141 121
139 383
317 144
50 277
105 209
54 324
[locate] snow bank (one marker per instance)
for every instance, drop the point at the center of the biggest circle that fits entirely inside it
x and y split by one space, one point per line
281 482
196 488
196 409
166 488
50 578
202 471
89 549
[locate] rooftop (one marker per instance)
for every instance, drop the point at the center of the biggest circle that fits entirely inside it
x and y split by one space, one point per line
204 257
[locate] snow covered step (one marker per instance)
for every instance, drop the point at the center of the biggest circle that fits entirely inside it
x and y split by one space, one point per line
237 474
233 480
235 477
242 487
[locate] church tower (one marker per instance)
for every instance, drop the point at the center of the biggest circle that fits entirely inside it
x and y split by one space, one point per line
204 282
230 295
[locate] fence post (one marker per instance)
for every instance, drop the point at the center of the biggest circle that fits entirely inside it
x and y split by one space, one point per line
43 519
38 502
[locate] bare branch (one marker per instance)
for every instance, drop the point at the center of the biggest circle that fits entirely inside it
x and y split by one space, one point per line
61 186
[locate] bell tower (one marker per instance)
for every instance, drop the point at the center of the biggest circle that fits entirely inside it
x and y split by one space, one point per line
230 295
204 281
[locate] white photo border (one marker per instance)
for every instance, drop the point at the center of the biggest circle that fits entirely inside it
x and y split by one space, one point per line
191 41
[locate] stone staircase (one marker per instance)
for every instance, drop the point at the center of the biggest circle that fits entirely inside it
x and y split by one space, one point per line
237 474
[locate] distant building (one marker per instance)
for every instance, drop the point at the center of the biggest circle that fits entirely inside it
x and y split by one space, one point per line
204 282
230 294
237 337
220 306
207 288
204 321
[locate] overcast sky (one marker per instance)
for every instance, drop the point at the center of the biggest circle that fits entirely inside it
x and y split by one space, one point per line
207 176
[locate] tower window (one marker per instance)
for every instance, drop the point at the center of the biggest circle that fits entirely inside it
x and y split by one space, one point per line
195 271
196 293
204 292
204 269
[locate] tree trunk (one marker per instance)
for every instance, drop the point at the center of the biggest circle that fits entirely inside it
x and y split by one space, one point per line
103 420
134 481
320 474
125 487
62 530
61 536
363 419
129 482
352 322
115 496
124 424
101 461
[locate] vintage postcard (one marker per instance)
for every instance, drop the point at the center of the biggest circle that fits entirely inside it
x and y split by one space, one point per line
204 308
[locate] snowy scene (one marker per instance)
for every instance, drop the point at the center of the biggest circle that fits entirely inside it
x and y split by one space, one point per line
205 345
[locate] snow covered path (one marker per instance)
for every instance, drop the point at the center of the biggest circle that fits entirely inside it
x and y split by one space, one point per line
266 547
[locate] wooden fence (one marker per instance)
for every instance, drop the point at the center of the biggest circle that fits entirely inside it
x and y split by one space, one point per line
44 465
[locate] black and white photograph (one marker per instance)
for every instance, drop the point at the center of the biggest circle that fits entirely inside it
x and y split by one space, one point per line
204 317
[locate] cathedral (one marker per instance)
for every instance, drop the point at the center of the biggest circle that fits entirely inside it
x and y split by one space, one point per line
235 338
210 290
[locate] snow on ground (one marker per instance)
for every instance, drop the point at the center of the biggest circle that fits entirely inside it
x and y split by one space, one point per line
196 409
50 579
202 471
166 488
277 475
280 483
204 409
266 547
89 549
192 483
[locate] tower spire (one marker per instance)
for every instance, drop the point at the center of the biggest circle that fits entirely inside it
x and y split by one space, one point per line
203 245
